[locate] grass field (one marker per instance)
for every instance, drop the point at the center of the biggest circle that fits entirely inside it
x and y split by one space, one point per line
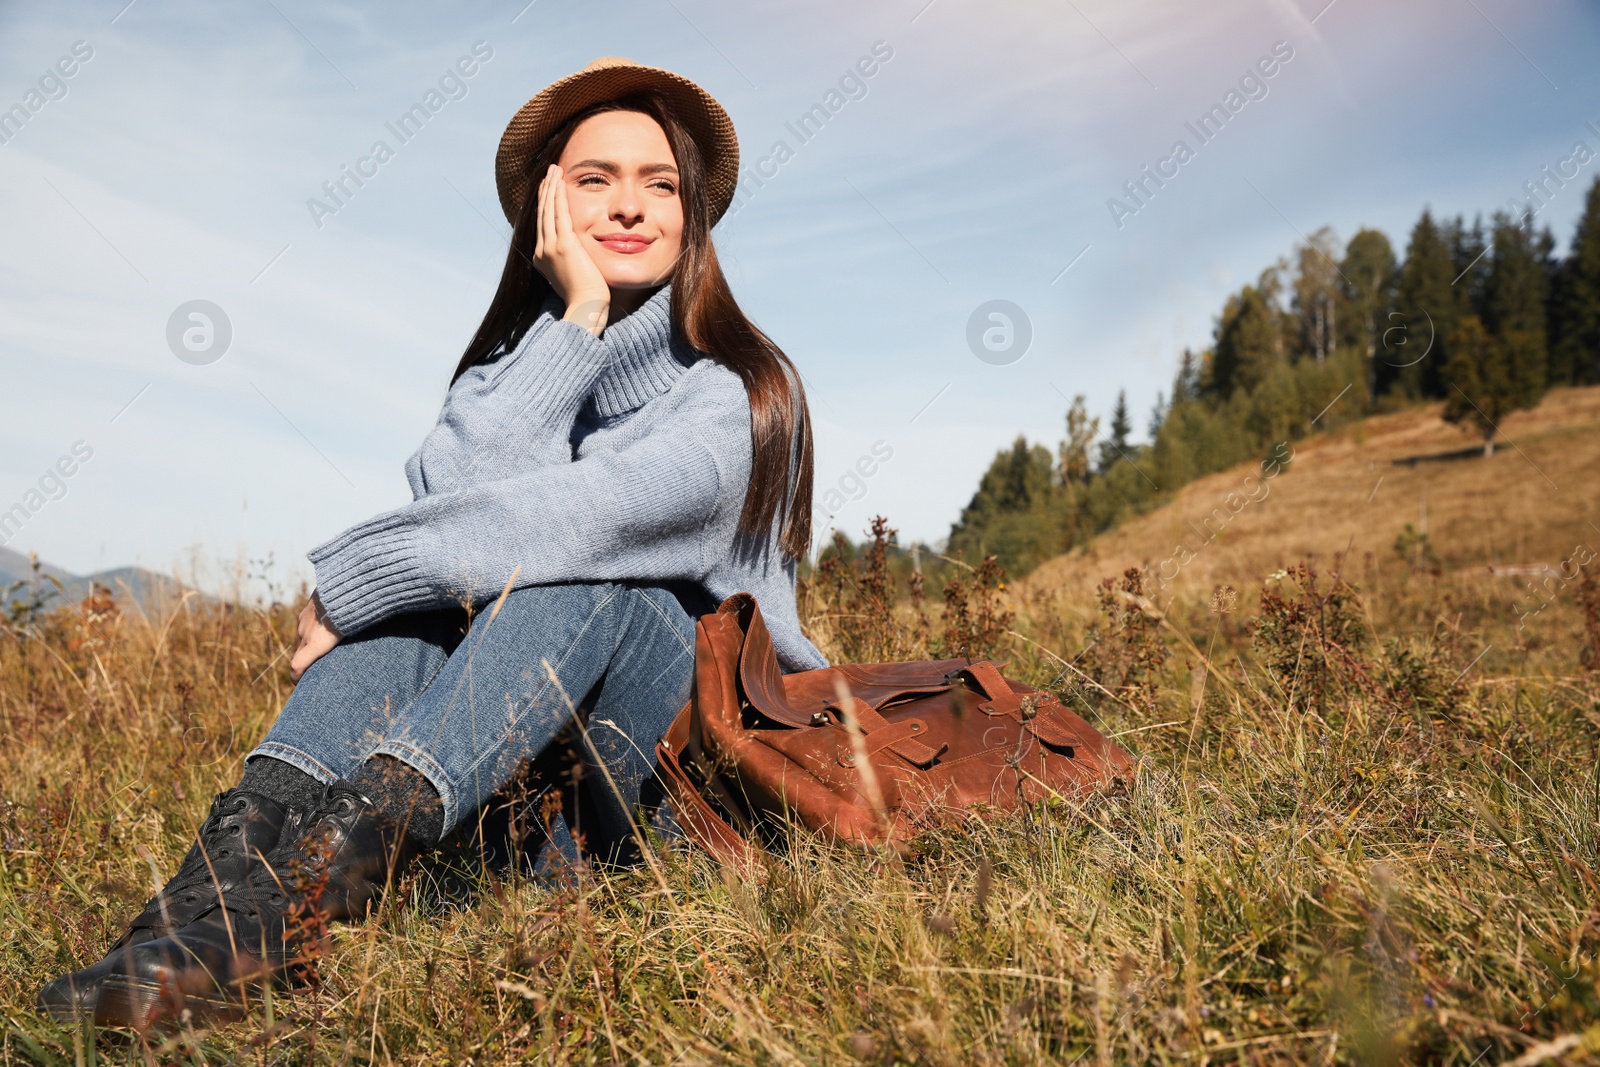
1366 827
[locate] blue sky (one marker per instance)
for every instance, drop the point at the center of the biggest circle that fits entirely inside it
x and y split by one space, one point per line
977 165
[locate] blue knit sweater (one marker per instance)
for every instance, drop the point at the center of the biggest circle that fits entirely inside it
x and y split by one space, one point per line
573 458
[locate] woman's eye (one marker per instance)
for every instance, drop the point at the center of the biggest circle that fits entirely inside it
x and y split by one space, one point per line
592 180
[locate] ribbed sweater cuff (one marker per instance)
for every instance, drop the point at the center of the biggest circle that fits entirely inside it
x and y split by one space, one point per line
371 572
558 367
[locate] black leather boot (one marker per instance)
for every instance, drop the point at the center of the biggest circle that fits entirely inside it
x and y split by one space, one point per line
268 929
241 828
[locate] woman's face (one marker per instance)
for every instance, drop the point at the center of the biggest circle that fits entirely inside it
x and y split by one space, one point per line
622 189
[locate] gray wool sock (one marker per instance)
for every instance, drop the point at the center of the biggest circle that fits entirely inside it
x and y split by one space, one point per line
283 782
405 795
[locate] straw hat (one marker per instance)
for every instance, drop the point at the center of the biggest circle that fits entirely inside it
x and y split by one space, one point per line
604 79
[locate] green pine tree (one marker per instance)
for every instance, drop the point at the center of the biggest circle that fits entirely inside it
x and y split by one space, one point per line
1186 384
1517 283
1516 291
1470 264
1488 377
1415 341
1249 336
1115 447
1575 302
1014 515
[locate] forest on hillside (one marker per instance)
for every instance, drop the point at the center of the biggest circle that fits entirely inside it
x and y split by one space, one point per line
1486 319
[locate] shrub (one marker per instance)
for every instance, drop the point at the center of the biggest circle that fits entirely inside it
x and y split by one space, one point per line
857 599
1589 602
976 615
1125 651
1310 638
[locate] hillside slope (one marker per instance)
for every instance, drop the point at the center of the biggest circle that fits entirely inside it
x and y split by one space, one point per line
16 567
1529 506
134 583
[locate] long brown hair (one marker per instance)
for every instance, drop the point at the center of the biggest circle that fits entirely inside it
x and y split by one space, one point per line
704 313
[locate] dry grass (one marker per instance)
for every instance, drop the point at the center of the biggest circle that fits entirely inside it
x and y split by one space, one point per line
1369 849
1532 503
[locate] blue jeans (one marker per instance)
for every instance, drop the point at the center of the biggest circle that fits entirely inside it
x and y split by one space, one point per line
469 711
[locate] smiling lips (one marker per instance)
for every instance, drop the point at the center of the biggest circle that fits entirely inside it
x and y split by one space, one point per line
626 243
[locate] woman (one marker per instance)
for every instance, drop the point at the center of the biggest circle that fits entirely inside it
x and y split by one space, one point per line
619 447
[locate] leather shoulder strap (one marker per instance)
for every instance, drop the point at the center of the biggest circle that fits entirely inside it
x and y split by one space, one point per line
699 820
987 675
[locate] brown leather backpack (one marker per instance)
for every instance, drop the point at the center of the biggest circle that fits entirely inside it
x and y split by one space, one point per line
866 753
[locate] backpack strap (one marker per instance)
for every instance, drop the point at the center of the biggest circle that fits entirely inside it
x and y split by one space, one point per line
699 820
987 676
680 746
1038 712
901 737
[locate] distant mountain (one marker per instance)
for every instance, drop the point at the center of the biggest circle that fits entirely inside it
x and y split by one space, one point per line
134 583
15 567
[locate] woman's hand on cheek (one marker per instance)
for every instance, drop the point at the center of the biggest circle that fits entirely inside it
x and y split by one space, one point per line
317 637
560 256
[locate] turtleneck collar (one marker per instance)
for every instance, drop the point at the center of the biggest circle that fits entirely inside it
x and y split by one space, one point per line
645 359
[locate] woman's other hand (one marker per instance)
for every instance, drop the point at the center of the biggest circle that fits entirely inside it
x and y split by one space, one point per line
317 637
560 256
